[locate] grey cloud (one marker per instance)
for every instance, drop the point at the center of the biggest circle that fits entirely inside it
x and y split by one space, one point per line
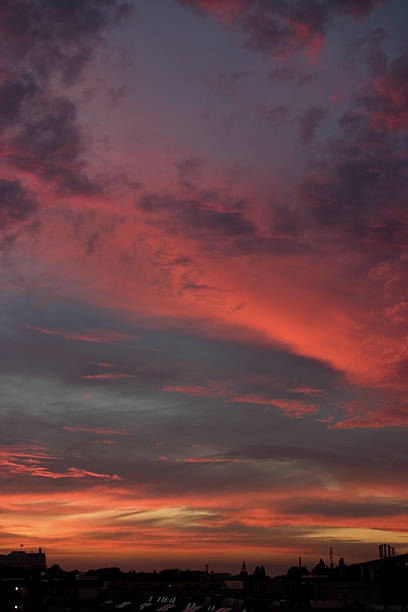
343 509
335 464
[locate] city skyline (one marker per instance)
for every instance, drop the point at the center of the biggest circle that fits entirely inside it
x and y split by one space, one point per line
203 303
27 560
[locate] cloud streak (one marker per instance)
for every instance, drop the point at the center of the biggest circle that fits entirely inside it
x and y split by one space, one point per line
290 407
92 335
17 460
97 430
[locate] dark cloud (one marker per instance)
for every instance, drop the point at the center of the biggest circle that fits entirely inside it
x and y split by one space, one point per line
345 509
269 244
357 8
221 223
285 453
385 99
286 222
340 461
286 73
46 36
226 83
91 243
351 196
189 284
50 144
284 27
276 29
14 90
188 171
195 217
368 47
359 189
16 203
42 42
278 114
309 122
77 367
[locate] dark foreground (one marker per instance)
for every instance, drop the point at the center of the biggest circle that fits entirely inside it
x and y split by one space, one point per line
374 586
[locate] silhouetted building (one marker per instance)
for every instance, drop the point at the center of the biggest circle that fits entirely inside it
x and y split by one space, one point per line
385 551
243 569
24 560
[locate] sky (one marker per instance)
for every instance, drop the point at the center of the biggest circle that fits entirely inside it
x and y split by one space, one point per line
203 281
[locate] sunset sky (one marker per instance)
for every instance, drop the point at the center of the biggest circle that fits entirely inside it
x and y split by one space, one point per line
203 284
